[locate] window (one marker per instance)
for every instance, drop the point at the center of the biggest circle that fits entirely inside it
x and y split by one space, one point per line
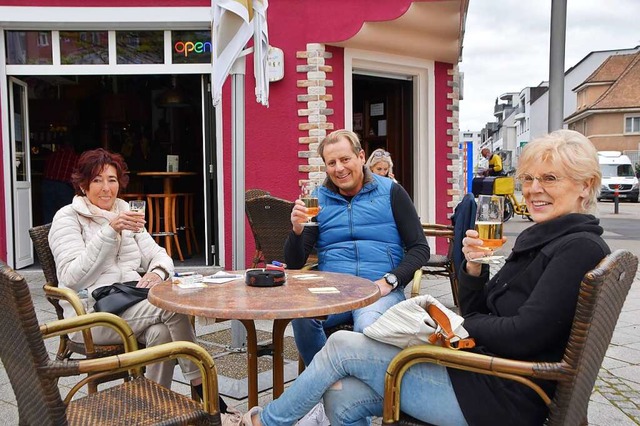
632 124
84 47
140 47
28 47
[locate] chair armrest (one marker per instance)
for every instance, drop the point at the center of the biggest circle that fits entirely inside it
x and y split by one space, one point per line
416 283
87 321
520 371
65 294
106 366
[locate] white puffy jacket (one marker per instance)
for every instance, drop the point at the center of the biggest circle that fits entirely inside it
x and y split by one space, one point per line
90 254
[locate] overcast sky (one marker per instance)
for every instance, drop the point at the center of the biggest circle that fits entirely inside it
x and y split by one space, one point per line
506 45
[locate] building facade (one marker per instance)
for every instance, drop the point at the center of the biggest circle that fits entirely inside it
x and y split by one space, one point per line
134 77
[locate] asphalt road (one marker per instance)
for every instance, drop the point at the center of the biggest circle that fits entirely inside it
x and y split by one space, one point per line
622 230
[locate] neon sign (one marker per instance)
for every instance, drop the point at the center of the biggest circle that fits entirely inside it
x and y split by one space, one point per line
186 47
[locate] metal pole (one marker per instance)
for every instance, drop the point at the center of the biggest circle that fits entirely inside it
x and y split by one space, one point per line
556 64
238 70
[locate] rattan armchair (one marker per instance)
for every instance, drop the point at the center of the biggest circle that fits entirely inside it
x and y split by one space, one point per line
33 375
602 294
250 194
54 294
270 223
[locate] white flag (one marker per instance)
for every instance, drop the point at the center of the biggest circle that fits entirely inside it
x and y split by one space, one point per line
261 51
231 30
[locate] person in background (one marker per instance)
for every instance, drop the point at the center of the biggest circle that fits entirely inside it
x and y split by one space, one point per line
57 190
95 243
495 163
380 163
524 312
367 226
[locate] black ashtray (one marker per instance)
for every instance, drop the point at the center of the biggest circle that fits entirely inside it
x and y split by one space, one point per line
264 278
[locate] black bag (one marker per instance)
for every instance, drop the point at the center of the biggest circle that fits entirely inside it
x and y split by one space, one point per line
116 298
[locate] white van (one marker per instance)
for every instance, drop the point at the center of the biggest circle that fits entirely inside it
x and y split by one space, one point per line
617 170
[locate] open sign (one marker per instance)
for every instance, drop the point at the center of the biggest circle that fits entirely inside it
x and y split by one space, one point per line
187 47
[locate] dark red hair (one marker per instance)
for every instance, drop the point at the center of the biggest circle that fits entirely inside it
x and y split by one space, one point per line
92 163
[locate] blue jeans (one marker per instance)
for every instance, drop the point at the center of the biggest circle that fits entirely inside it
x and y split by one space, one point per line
357 366
309 333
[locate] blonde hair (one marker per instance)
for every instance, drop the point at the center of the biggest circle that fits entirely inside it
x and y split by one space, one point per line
373 159
575 153
334 137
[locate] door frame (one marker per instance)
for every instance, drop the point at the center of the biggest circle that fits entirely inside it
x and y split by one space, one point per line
422 73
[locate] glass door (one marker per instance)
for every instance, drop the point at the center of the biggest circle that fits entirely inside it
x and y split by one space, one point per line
20 173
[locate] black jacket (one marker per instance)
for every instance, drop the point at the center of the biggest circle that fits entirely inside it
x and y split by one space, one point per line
525 312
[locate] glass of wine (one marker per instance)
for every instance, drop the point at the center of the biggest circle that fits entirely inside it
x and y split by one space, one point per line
489 224
309 196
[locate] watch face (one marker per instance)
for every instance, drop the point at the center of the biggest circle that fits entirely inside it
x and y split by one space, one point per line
391 279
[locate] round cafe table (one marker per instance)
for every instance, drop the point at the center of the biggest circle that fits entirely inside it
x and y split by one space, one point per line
306 294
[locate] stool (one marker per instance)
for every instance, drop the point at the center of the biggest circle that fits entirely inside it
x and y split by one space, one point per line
162 221
187 221
129 197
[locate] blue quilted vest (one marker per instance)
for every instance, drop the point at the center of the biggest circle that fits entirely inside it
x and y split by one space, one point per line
359 237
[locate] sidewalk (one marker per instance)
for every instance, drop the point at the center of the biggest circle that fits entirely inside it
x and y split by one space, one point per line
616 397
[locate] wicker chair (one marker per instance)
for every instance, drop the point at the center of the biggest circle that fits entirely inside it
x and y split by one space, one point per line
67 347
33 375
602 294
250 194
438 264
270 223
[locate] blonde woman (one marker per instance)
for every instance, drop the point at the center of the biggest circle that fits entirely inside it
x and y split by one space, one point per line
380 163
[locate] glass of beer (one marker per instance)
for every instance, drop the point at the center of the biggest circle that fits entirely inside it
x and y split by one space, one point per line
489 220
310 198
138 206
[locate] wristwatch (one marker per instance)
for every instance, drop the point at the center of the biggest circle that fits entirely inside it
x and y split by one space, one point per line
391 279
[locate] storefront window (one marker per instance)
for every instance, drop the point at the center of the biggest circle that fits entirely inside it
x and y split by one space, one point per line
140 47
84 47
29 47
191 47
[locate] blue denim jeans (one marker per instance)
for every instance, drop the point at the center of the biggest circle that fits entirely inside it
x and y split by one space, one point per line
349 372
309 333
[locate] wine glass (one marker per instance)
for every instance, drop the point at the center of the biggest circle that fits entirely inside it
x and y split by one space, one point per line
489 222
309 196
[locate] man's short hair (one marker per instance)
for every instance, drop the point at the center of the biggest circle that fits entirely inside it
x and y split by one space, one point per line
335 137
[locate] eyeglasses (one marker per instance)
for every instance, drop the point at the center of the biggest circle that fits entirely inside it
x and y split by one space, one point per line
545 180
379 154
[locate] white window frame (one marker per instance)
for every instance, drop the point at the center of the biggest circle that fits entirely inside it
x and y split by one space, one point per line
635 118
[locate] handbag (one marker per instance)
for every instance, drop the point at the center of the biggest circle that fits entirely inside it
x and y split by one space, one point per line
116 298
420 320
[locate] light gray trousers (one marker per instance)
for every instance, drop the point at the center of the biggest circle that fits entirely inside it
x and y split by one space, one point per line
153 326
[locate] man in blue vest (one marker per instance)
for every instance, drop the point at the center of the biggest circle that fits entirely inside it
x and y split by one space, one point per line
367 226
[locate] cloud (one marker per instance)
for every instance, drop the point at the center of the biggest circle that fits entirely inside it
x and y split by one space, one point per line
506 46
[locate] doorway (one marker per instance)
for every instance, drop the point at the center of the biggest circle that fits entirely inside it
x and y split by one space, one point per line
382 118
146 118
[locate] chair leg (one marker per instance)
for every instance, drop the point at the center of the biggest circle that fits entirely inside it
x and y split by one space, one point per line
453 279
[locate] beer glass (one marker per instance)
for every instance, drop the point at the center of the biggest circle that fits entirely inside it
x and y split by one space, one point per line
310 198
138 206
489 221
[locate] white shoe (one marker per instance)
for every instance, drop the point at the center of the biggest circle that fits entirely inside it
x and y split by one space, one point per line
246 419
232 417
315 417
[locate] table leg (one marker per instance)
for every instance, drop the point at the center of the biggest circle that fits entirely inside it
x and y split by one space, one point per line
167 225
252 362
277 335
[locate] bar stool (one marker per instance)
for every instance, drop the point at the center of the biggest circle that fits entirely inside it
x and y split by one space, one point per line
162 221
187 223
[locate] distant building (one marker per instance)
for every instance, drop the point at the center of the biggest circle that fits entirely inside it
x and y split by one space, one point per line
608 104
